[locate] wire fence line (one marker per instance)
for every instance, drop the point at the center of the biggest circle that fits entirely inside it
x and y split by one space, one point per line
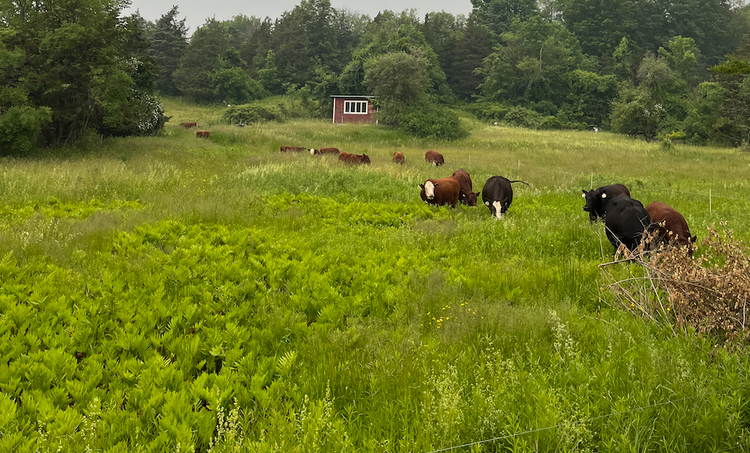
709 194
585 420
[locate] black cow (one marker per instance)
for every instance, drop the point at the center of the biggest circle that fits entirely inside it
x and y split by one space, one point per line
626 222
596 200
497 195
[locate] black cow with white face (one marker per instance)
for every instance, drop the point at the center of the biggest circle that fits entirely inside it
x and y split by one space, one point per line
626 222
497 195
596 200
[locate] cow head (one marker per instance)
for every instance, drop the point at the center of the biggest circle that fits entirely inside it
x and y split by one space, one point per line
471 198
429 189
313 152
496 209
365 159
596 202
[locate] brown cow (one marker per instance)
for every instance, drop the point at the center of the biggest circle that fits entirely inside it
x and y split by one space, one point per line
349 158
670 225
434 157
466 196
292 149
440 191
202 134
188 125
398 158
324 151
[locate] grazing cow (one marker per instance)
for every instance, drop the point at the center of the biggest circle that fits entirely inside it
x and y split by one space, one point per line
497 195
670 225
440 191
354 158
324 151
466 196
188 125
596 200
292 149
398 158
434 157
626 222
202 134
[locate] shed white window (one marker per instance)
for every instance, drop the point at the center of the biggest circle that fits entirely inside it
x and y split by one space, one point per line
355 107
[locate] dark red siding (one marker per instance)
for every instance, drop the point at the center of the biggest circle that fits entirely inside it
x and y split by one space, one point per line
339 117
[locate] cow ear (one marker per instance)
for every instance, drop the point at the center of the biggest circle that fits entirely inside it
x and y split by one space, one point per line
421 186
436 184
584 192
604 195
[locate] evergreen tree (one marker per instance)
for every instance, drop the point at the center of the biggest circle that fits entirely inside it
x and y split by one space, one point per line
167 47
209 43
472 48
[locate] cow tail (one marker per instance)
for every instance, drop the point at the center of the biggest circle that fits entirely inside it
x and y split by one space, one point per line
518 180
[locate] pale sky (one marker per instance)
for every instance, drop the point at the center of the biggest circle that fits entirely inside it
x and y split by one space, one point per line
197 11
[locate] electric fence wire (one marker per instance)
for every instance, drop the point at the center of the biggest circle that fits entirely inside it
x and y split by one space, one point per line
510 436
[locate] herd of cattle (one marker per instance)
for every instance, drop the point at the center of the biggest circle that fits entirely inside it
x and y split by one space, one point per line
626 221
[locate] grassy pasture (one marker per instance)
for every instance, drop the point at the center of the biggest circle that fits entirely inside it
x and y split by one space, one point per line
171 293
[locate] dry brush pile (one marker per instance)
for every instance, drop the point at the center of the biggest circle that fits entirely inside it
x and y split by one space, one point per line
709 293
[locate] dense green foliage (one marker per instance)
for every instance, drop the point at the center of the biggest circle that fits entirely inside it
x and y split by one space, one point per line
638 68
64 73
173 294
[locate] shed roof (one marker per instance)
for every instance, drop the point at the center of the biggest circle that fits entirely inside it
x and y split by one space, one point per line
352 96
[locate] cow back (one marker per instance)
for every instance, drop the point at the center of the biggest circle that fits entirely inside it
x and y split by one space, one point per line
670 225
434 157
464 180
398 158
626 221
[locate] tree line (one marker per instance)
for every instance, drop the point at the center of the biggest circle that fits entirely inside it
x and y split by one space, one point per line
673 69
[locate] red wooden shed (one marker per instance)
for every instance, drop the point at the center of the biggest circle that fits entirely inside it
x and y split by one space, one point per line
353 109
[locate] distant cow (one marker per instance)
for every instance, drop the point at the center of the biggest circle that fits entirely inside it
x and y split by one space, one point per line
466 196
497 195
398 158
354 158
596 200
440 191
188 125
434 157
324 151
626 222
202 134
292 149
670 225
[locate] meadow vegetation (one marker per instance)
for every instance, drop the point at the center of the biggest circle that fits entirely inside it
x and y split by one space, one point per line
174 294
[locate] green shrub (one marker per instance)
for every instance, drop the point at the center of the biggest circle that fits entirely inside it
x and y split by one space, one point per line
523 117
20 128
434 122
253 113
491 111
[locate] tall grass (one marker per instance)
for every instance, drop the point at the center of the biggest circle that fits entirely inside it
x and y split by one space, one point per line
172 293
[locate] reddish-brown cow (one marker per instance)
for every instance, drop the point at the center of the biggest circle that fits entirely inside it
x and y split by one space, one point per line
188 125
440 191
434 157
398 158
324 151
354 158
202 134
670 225
292 149
466 196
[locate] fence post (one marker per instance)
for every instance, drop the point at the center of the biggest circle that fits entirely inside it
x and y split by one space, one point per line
710 201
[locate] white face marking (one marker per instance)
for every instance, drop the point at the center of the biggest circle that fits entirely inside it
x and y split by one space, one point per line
312 151
498 207
429 190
